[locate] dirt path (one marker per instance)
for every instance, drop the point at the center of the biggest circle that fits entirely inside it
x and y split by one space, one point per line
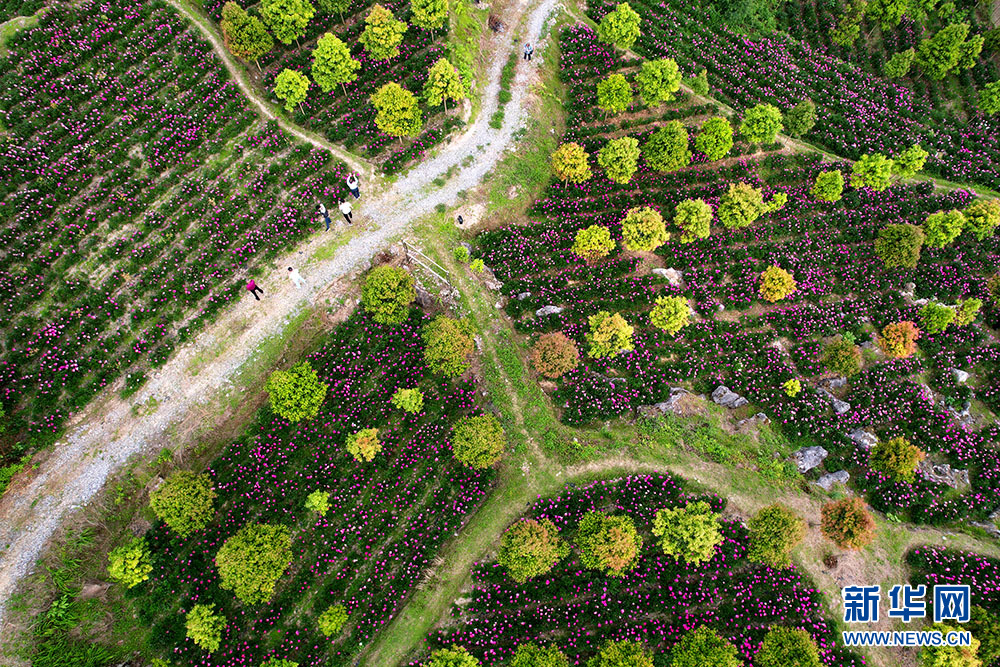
105 435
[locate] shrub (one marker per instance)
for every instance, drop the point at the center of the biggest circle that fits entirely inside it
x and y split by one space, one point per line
698 83
571 163
982 218
899 64
667 149
619 158
872 171
332 620
775 284
690 533
408 400
715 139
899 339
774 532
593 243
319 502
787 647
614 95
985 626
643 229
622 654
910 161
455 656
251 561
297 393
610 544
694 218
703 647
829 186
761 124
989 98
800 119
130 564
279 662
842 357
531 547
477 265
899 245
967 311
532 655
897 458
993 288
478 442
777 202
935 317
657 81
951 656
204 627
671 313
619 27
447 345
847 523
184 502
792 387
609 335
554 354
740 205
943 227
387 294
363 445
461 254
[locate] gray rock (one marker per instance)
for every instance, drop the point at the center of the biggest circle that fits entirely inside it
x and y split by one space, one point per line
728 399
673 276
664 407
548 310
920 302
944 474
826 482
909 288
808 458
523 295
759 418
863 439
959 375
840 407
835 383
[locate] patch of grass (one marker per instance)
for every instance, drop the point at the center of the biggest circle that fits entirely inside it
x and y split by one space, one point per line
329 249
467 25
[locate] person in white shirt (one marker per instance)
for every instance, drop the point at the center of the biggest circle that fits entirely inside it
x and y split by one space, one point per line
345 208
296 277
353 185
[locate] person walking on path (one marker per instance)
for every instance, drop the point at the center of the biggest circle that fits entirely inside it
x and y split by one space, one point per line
253 288
296 277
353 186
345 208
528 50
326 216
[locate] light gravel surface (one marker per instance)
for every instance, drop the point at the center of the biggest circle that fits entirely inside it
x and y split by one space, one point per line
104 436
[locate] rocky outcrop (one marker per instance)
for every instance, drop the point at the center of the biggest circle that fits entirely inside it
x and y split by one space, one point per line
808 458
863 439
944 474
548 310
663 407
728 399
839 406
673 276
826 482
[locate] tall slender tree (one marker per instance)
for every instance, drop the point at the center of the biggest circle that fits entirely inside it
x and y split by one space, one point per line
429 14
443 83
333 64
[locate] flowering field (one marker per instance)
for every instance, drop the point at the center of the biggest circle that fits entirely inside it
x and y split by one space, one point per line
752 347
385 522
655 603
857 112
138 190
932 565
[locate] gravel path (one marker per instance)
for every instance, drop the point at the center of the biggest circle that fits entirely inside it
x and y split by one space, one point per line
104 436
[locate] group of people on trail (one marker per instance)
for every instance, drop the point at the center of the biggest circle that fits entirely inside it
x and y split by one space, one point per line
354 185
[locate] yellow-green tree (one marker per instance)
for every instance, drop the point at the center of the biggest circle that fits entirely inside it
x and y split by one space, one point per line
287 19
571 163
619 27
447 345
204 627
593 243
292 87
609 335
619 158
614 95
397 114
363 445
429 14
333 64
776 283
382 34
443 84
251 561
643 229
694 218
690 533
479 441
297 393
671 313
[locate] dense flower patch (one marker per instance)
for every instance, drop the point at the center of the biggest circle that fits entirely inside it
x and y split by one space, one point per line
931 566
384 523
656 602
137 191
11 8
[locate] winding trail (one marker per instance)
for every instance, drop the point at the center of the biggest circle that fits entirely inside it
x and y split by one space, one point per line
105 435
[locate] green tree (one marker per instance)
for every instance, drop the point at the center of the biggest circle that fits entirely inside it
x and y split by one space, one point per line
398 114
704 647
872 171
332 6
985 626
614 95
277 662
740 205
297 393
429 14
774 532
332 620
982 217
787 647
897 458
622 654
592 243
899 64
291 86
319 502
775 283
363 445
950 656
609 335
245 36
761 124
690 533
694 218
847 30
968 52
619 27
829 186
887 12
333 64
447 345
657 81
531 547
387 294
184 502
698 83
286 19
842 357
848 524
408 400
204 626
478 442
943 227
619 158
989 98
935 317
553 355
671 313
910 161
382 35
899 245
610 544
443 84
967 311
643 229
251 561
130 564
571 163
455 656
715 139
532 655
667 149
941 53
800 119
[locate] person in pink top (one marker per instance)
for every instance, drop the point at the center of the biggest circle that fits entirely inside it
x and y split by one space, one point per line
253 288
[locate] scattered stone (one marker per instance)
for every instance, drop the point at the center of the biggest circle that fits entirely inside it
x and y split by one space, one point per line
835 383
990 528
424 298
959 375
920 302
862 438
523 295
728 399
840 407
663 407
760 418
548 310
673 276
826 482
909 289
90 591
867 345
479 342
721 308
498 305
944 474
808 458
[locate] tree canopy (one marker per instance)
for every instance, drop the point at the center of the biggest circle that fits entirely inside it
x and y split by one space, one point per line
620 26
670 313
447 345
397 114
571 163
614 94
184 502
479 441
592 243
297 393
382 35
657 81
761 124
643 229
703 647
333 64
292 87
690 533
608 543
666 149
287 19
530 547
245 36
694 218
387 294
251 561
715 139
443 84
609 335
619 158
